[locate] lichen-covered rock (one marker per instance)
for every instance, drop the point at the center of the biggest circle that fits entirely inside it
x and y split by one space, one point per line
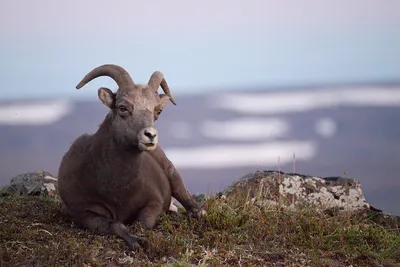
33 183
201 198
290 190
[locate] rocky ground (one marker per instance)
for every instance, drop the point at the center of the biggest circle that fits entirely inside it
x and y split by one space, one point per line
264 219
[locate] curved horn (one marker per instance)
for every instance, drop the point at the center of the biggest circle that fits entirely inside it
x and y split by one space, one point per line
157 79
117 73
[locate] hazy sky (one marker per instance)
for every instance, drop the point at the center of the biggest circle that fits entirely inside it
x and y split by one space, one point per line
48 46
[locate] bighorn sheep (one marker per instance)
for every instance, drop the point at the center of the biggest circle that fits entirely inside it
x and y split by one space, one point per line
119 174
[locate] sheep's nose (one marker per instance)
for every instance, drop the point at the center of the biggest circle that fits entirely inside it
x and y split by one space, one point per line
150 133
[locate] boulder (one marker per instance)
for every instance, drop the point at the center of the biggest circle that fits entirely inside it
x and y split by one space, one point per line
33 183
266 188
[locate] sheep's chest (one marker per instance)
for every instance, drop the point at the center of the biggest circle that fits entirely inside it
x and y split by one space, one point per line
128 189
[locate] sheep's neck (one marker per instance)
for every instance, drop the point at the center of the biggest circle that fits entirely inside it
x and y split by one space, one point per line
117 153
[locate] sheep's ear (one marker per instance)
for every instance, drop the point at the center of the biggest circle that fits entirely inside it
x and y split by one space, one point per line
107 97
164 101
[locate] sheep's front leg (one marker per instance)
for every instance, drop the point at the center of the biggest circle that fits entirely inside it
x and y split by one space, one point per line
96 222
179 192
178 189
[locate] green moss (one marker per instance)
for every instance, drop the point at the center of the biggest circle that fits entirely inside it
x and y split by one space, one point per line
34 232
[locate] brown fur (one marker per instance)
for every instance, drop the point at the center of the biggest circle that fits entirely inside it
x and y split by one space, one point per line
119 174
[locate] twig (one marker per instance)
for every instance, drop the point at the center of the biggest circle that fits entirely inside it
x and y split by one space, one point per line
47 232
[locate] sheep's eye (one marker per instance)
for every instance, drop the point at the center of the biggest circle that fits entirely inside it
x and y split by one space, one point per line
122 109
159 112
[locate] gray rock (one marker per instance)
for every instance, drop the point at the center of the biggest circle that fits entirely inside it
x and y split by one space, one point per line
33 183
290 190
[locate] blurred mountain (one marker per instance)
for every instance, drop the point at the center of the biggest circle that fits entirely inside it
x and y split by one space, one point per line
215 138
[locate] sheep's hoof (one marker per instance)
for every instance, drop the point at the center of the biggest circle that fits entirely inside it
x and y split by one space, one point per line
143 242
138 243
134 246
198 213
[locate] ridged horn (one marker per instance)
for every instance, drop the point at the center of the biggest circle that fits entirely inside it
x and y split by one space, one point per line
157 79
117 73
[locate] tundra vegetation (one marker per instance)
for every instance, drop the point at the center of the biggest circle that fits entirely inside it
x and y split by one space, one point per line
234 232
118 181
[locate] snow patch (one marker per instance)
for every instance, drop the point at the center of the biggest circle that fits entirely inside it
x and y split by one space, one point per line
246 129
227 156
42 113
326 127
286 102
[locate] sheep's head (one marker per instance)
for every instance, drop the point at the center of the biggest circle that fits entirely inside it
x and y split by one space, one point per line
134 107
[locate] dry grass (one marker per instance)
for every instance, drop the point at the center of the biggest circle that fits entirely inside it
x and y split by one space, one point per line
33 232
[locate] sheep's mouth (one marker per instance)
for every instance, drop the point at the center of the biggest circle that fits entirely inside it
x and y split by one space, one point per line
149 144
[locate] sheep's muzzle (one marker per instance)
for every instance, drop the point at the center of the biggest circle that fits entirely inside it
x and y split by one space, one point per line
148 139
